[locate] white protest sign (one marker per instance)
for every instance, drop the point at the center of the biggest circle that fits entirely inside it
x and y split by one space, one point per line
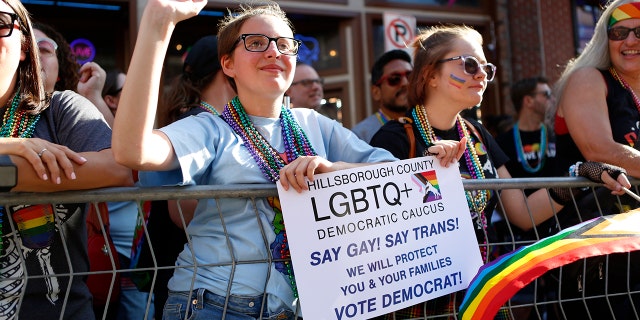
371 240
399 31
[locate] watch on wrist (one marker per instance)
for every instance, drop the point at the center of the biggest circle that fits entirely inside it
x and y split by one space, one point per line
8 173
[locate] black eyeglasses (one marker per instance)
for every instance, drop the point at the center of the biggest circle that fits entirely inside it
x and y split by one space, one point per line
7 23
621 33
546 94
393 79
260 43
307 83
472 66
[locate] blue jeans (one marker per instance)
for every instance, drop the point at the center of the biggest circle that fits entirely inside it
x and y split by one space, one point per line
206 305
132 302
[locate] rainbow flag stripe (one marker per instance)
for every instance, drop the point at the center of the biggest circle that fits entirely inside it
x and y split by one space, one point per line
498 281
36 225
432 178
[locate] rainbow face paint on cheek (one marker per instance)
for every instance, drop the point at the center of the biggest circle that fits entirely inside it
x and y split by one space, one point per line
455 81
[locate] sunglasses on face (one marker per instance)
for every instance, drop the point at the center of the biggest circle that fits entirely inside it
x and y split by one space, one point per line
260 43
393 79
472 66
307 83
8 23
47 47
621 33
546 94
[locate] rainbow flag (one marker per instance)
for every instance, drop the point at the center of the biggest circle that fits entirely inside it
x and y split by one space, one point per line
498 281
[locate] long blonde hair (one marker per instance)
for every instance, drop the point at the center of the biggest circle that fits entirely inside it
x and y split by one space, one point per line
595 55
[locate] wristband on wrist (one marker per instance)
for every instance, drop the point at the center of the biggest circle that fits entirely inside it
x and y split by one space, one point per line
574 169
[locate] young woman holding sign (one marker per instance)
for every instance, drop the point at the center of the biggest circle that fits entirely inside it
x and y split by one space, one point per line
254 135
451 75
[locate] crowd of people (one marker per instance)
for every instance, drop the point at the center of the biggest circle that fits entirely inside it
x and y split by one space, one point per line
244 112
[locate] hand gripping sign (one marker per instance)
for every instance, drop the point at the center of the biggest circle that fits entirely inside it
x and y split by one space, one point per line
368 241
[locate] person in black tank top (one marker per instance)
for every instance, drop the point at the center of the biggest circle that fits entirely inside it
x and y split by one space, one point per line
597 118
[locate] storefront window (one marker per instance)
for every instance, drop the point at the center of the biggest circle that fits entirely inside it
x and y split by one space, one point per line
322 50
587 14
322 45
448 3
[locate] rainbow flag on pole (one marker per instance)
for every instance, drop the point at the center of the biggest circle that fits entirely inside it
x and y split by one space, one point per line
498 281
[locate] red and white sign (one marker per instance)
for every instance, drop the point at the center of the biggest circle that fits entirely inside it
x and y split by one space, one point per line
399 31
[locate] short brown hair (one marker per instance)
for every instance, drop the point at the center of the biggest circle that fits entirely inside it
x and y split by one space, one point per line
229 27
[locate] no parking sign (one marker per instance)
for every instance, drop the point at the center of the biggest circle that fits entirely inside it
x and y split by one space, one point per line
399 31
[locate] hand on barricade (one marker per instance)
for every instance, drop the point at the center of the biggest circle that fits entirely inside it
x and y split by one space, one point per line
613 177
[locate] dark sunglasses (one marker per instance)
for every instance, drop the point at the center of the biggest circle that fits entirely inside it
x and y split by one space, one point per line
393 79
621 33
307 83
472 66
546 94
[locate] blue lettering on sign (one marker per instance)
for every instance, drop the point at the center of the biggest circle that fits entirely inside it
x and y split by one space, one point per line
366 246
352 288
355 271
353 309
398 238
420 289
329 255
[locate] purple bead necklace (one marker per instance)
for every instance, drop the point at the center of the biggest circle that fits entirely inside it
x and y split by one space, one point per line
296 142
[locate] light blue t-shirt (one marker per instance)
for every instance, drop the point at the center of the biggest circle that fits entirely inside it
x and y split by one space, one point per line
210 153
123 217
367 128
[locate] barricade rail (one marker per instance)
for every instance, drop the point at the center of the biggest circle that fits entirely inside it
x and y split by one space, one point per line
540 301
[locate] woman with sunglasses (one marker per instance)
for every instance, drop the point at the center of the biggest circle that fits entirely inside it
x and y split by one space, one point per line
450 75
57 142
62 72
597 118
58 63
598 94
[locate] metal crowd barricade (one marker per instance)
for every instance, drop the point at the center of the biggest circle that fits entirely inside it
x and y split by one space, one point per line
537 303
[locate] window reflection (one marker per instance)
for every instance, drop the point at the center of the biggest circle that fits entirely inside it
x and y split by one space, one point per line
467 3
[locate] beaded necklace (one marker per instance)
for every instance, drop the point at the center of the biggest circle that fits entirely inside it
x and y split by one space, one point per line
209 108
296 144
16 125
625 85
520 149
477 201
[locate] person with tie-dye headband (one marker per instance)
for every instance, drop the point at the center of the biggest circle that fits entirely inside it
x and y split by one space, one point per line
597 118
450 75
58 141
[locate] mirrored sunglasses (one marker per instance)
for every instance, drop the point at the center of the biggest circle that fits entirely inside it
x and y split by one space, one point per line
472 66
47 47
